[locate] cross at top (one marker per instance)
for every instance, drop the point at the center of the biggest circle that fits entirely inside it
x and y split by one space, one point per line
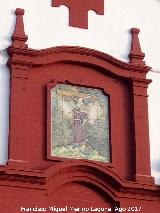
78 10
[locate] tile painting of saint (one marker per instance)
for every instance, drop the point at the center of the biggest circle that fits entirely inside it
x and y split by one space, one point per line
80 124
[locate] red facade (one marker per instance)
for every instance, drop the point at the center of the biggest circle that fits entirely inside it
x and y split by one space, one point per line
31 179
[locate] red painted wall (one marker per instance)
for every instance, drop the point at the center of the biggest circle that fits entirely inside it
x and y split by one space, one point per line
32 180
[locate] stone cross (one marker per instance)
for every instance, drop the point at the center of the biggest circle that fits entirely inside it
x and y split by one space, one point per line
78 10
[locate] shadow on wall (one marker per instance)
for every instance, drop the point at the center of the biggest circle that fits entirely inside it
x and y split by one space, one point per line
13 23
9 31
4 73
4 112
157 181
127 47
156 165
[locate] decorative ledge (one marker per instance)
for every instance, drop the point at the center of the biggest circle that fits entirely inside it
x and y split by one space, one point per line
78 50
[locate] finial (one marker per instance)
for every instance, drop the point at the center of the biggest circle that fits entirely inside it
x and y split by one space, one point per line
136 55
19 37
